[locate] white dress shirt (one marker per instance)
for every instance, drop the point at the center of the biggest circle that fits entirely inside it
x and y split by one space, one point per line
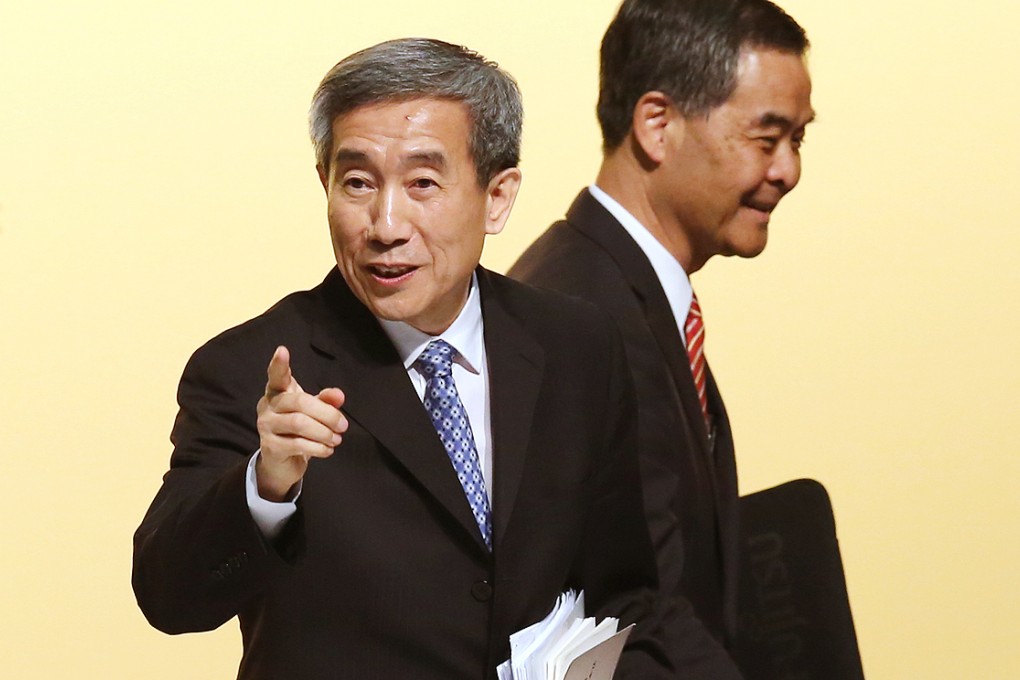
470 374
470 369
672 277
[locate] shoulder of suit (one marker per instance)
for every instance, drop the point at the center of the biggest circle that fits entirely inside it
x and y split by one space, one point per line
561 241
547 309
263 333
567 260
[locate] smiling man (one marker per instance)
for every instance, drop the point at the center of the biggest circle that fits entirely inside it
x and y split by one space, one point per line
387 475
703 106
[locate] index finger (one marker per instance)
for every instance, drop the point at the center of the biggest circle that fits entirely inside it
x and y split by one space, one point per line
280 376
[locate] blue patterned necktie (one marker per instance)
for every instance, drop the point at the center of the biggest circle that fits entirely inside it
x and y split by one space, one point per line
450 420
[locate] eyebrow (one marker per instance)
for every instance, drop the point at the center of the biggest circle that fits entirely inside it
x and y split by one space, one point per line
776 120
436 159
344 155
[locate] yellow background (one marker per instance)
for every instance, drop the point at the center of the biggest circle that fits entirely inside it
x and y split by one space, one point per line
156 187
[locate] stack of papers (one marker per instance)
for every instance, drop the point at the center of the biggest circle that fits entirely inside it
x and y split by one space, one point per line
565 645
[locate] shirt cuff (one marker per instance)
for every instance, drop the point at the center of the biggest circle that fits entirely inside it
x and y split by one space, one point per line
269 516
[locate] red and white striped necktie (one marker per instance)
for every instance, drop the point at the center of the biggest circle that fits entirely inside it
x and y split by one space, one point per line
694 329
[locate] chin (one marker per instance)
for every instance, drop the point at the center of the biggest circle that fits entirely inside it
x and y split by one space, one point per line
744 236
744 251
382 306
753 242
386 309
753 251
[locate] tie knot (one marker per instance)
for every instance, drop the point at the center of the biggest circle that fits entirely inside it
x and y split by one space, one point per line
437 358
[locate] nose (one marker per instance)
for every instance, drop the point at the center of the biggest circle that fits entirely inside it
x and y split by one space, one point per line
390 223
784 171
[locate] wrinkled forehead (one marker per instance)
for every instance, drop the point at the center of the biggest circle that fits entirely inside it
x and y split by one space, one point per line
411 108
430 131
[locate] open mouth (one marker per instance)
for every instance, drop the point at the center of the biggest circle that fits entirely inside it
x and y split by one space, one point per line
391 273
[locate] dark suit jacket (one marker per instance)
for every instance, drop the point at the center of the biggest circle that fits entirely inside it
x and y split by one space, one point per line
382 573
688 473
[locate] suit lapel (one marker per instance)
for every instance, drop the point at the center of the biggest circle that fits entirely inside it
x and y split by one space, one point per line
516 363
590 218
381 399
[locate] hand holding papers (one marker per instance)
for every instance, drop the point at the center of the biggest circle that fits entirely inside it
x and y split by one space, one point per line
565 645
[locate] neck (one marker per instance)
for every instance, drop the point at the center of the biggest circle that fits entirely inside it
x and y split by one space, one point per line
630 182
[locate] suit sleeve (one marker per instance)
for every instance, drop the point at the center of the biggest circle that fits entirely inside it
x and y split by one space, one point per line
199 557
617 566
563 260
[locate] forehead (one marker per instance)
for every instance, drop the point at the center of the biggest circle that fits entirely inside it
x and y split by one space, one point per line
412 125
772 84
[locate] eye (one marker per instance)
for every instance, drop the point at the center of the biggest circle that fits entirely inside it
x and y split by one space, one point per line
769 143
423 183
797 141
356 184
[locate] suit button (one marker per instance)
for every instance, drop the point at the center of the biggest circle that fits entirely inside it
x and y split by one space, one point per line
481 591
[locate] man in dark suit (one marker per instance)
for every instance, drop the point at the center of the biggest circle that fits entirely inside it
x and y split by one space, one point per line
703 106
438 451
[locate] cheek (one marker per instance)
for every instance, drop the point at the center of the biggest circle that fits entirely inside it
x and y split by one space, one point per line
454 251
346 241
750 168
455 236
346 222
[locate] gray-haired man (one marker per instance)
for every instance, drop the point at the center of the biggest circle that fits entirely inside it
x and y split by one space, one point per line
353 531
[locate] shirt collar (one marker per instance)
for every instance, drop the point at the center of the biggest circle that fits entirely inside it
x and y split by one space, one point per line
671 275
464 334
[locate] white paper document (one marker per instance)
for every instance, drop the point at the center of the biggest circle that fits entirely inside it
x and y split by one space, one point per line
565 645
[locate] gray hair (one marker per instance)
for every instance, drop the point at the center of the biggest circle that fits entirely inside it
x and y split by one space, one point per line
687 49
413 68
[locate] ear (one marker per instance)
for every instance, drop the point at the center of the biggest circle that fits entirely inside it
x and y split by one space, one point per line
323 177
655 120
499 199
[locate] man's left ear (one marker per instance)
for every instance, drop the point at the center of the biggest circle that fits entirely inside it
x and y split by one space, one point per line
499 199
